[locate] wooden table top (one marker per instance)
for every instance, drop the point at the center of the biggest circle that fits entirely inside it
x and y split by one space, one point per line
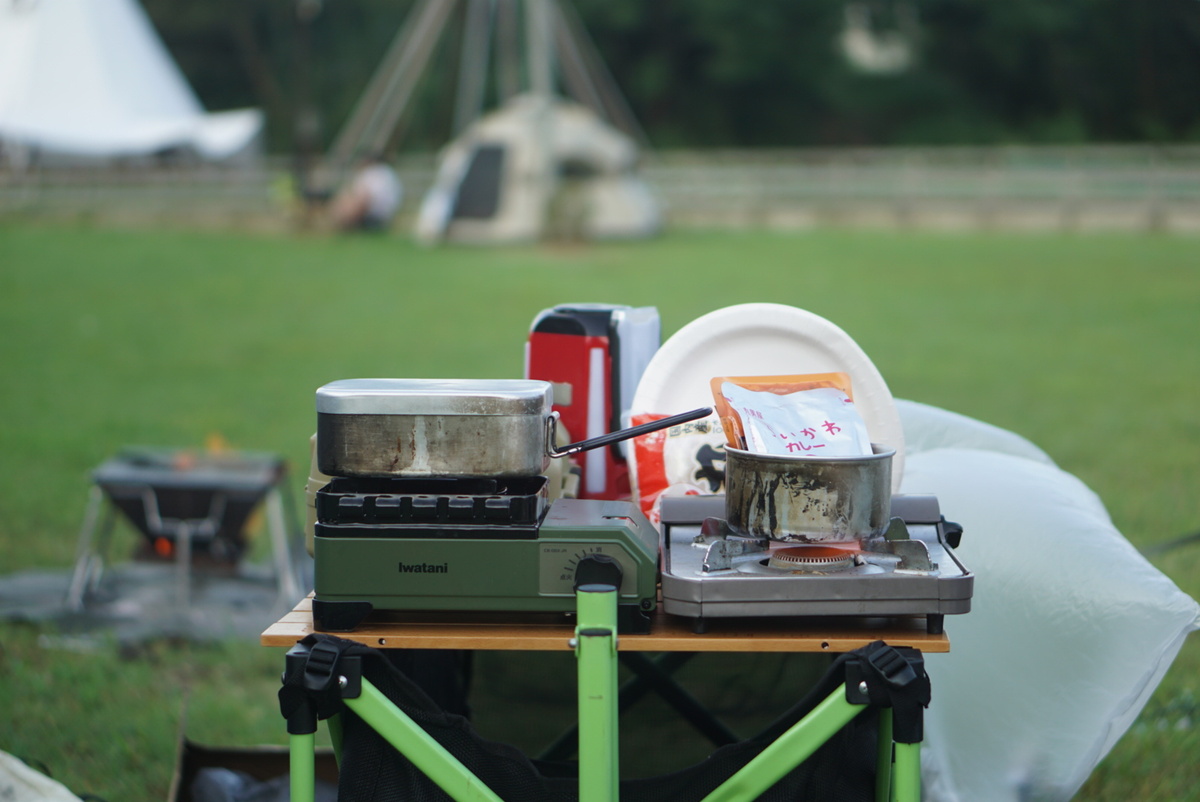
668 633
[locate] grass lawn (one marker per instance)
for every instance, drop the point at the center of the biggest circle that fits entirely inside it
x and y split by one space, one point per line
1087 345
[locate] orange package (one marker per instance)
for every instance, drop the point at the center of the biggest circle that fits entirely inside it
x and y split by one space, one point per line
780 385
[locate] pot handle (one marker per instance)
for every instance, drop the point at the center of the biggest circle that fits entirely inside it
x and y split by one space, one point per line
621 434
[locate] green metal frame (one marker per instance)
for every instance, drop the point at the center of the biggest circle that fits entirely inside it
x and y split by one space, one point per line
595 644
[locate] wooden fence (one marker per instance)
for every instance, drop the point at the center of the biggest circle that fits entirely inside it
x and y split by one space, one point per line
1005 188
1073 188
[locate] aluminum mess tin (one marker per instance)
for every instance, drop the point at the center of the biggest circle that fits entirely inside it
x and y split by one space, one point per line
808 499
433 427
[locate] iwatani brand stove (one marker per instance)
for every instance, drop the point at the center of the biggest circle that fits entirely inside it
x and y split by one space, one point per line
472 545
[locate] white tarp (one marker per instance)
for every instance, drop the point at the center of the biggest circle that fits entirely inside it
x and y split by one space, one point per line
20 783
1070 628
92 78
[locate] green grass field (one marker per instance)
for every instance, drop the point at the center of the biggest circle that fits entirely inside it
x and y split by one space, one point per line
1087 345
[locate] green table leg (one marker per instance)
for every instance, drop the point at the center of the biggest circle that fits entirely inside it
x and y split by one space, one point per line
789 750
596 651
906 777
430 757
303 767
884 757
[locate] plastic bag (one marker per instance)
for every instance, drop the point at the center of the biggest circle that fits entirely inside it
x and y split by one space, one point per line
813 421
688 459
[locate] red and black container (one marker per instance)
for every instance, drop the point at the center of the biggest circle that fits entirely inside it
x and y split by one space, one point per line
594 356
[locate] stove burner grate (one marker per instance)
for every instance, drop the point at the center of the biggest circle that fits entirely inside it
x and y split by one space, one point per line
812 558
514 501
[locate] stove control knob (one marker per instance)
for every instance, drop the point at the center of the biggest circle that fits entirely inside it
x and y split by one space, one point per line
598 569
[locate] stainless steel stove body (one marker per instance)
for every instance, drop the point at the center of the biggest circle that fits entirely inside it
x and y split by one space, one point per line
710 571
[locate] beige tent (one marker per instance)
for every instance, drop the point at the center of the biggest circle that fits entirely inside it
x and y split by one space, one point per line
535 169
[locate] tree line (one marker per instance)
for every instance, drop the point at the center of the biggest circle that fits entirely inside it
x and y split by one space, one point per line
767 73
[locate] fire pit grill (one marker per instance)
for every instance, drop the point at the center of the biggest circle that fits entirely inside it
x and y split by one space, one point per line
190 506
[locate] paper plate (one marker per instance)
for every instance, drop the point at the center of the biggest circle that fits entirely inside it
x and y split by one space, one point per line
766 340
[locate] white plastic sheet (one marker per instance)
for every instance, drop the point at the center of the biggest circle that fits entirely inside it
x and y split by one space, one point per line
20 783
1070 631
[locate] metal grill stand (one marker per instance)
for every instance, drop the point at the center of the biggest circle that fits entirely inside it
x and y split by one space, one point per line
182 505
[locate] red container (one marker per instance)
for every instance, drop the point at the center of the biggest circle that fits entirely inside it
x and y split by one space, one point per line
594 355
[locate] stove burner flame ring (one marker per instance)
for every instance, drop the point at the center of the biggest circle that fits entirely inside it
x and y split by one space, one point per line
811 558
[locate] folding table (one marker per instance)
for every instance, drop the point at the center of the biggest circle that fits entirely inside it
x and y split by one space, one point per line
315 677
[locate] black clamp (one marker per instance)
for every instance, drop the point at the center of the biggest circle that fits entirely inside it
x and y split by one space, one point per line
891 676
317 676
952 532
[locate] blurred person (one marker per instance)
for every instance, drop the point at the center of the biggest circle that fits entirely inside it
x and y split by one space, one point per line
371 199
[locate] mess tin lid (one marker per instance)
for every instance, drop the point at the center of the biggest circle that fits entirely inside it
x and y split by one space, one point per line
517 397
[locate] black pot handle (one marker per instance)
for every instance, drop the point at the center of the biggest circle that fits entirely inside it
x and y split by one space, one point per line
620 434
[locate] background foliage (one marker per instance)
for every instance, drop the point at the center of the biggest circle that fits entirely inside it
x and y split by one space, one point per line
705 73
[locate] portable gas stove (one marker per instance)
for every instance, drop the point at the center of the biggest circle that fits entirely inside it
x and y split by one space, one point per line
474 545
709 570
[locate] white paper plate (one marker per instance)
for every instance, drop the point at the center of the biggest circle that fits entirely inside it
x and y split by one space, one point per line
766 340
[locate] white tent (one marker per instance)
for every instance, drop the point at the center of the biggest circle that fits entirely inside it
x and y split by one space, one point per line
91 78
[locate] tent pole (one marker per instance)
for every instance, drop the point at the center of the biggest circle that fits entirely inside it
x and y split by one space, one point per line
508 71
574 70
472 71
616 107
423 23
401 89
540 51
344 146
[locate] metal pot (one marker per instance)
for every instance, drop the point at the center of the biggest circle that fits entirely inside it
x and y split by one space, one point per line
447 427
808 499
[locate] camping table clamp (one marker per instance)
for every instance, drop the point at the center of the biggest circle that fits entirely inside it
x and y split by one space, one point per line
318 681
